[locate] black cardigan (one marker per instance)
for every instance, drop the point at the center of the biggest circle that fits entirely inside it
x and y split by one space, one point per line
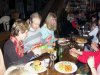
10 56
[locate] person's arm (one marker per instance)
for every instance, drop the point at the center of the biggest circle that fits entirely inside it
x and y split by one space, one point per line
94 46
91 62
93 70
83 58
93 32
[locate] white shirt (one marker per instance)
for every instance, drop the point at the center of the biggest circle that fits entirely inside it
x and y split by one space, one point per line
94 33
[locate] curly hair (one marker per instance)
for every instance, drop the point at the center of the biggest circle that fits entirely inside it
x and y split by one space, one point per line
19 25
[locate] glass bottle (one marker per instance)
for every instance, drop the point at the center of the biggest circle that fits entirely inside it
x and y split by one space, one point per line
60 52
57 49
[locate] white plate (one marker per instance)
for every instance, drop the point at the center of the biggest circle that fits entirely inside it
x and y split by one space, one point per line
62 40
81 44
42 70
74 67
85 35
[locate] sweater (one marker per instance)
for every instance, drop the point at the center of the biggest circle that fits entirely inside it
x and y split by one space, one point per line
83 58
11 57
47 33
34 37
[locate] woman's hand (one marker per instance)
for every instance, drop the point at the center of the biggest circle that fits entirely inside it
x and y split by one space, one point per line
94 45
73 52
90 61
48 39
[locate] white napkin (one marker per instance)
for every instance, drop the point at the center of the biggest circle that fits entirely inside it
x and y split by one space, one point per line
37 51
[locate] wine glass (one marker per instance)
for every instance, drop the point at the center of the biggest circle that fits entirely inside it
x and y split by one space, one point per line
52 58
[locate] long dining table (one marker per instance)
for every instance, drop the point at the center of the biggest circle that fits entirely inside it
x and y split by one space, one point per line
65 57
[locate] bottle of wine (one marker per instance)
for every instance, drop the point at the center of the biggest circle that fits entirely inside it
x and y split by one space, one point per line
57 49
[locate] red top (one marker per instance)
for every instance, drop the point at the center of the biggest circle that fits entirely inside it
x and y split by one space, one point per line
74 24
83 58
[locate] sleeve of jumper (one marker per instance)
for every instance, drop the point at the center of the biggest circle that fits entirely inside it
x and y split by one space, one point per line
26 58
83 58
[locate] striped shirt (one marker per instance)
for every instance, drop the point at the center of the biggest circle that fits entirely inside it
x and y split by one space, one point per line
34 37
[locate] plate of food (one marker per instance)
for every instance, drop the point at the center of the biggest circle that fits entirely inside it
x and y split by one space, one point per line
37 66
60 40
81 40
65 67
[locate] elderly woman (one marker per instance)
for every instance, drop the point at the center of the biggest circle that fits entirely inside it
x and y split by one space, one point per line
49 27
13 48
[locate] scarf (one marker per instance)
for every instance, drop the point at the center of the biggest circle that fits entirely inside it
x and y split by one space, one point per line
19 48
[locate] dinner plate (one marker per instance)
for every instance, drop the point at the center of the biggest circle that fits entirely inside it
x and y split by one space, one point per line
74 67
39 71
81 44
60 40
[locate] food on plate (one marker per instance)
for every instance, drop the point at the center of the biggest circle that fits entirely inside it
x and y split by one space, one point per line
37 65
50 50
80 40
65 67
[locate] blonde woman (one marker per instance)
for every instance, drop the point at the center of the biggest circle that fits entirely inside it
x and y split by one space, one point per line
48 28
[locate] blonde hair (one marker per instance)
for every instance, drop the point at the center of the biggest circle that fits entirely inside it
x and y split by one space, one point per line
20 70
48 21
19 25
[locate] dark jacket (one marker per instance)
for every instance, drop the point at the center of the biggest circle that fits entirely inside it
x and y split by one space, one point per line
10 56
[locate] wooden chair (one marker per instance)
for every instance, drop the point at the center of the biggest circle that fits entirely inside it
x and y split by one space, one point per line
2 65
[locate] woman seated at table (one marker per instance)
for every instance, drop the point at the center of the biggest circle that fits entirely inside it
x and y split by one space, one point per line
48 28
13 48
83 56
92 36
34 36
94 32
